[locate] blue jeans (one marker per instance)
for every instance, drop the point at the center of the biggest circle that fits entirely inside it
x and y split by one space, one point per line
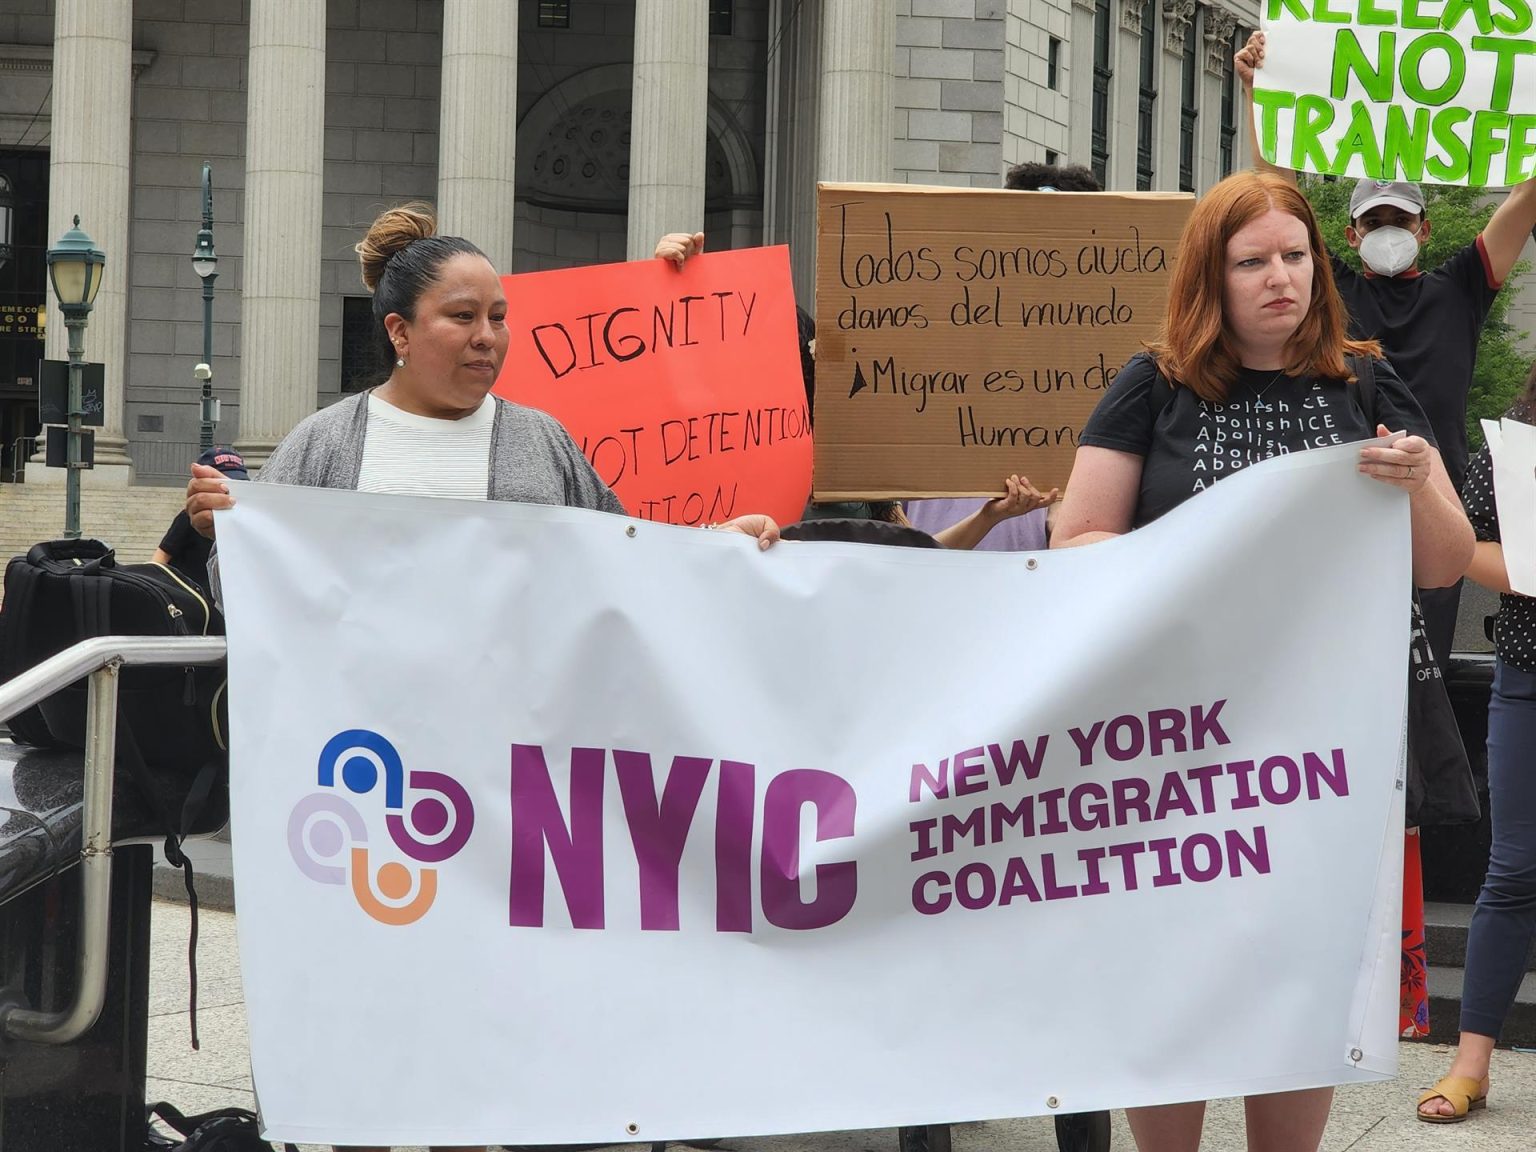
1504 921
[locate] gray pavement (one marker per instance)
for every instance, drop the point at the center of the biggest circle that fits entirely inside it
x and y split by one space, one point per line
1378 1118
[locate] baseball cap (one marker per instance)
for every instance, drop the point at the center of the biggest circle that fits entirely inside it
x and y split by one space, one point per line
1398 193
231 463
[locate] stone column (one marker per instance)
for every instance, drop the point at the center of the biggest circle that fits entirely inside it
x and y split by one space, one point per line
1125 94
670 121
476 165
284 150
789 201
1080 47
1216 76
1179 28
89 153
858 39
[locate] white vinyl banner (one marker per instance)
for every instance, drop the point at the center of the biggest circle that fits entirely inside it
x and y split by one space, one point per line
1512 444
553 826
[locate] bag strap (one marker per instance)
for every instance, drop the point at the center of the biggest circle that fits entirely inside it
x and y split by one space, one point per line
59 556
92 599
19 601
1364 368
1160 394
188 1126
175 832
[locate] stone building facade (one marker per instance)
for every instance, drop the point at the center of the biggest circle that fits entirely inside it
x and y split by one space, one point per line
553 134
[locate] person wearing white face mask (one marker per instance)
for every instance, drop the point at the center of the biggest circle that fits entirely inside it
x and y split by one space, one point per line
1392 217
1428 323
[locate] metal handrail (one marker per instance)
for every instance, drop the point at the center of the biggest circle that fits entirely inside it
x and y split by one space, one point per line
101 659
18 460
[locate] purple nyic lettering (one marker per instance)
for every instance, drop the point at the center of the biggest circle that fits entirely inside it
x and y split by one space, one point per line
735 814
659 830
836 884
576 849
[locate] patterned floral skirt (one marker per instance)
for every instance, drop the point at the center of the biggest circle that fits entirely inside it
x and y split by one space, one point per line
1413 989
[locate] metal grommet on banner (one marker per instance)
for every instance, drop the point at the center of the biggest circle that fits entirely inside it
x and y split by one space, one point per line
632 1128
1052 1102
1031 563
630 531
1356 1055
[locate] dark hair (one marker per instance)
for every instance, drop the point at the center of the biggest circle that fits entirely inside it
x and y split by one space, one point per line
1062 178
1524 407
400 258
807 328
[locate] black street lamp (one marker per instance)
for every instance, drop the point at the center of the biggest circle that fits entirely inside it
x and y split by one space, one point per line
206 264
75 265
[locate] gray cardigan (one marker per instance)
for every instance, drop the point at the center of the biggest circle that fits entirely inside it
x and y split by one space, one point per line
533 458
533 461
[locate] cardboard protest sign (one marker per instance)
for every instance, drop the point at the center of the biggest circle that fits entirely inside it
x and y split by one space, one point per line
683 388
1399 90
965 335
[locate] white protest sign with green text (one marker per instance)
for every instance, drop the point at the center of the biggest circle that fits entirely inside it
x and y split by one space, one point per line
1431 91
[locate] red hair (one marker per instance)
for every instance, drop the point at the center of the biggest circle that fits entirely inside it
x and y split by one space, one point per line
1194 346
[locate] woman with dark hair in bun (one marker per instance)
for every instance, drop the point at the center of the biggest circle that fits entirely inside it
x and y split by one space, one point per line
432 428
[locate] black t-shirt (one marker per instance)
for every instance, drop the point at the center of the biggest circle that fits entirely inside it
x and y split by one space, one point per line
1428 326
188 549
1189 444
1514 628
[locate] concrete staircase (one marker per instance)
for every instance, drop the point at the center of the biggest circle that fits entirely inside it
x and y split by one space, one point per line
131 520
1445 945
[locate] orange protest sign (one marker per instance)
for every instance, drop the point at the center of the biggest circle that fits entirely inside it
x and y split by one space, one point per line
682 387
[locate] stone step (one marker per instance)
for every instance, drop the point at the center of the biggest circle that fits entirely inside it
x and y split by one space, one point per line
130 520
1445 1010
1445 936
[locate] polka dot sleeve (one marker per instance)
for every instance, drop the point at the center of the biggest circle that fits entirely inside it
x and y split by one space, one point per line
1514 629
1477 496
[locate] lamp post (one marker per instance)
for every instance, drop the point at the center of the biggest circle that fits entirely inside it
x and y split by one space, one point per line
75 266
206 264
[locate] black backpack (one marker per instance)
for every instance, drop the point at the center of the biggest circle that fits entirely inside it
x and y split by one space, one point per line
171 721
223 1130
171 762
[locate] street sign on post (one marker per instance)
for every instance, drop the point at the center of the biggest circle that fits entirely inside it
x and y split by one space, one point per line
56 455
53 393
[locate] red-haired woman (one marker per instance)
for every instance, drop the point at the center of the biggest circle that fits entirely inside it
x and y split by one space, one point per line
1253 324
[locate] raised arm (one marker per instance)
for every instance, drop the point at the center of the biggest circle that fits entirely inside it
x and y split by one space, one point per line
1512 223
678 246
1019 498
1248 59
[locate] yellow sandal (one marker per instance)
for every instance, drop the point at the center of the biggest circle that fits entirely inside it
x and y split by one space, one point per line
1462 1093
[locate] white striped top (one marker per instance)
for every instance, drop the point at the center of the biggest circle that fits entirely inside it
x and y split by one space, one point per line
410 455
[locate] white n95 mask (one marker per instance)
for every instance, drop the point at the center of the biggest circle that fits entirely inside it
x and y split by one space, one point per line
1388 251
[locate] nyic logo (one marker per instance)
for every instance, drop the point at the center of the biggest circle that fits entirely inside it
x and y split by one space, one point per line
328 837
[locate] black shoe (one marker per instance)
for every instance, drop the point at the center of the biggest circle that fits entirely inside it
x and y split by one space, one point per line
927 1138
1083 1132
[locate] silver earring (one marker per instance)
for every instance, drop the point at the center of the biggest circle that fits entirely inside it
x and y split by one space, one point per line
399 361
